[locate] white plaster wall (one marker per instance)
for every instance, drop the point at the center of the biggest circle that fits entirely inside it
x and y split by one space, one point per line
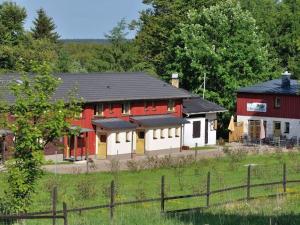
161 143
114 148
188 139
294 124
212 133
123 147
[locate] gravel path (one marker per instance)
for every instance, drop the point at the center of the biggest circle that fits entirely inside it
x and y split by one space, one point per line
105 165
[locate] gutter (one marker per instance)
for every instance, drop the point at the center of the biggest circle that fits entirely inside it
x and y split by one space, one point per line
191 114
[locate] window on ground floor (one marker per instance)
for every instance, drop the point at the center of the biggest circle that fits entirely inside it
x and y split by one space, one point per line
170 133
177 132
155 133
287 128
162 133
128 136
117 137
196 129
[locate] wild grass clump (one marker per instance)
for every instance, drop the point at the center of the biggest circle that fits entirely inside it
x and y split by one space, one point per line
86 189
155 162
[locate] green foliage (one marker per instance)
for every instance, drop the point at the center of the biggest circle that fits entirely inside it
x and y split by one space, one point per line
222 45
38 119
157 23
280 27
11 23
44 27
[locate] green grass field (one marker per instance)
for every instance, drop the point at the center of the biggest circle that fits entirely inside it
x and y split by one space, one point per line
79 190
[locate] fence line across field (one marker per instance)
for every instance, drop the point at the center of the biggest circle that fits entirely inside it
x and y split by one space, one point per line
55 214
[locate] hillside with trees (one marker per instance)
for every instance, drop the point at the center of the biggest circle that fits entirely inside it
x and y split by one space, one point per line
197 39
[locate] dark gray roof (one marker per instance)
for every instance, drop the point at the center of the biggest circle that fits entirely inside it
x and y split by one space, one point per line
200 106
101 87
81 129
158 120
113 123
272 87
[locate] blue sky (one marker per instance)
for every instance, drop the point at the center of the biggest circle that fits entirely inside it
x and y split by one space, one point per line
84 18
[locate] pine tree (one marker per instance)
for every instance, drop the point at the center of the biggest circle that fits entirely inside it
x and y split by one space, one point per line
44 27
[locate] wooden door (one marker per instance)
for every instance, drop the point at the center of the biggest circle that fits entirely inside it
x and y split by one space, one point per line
277 128
254 129
140 143
102 146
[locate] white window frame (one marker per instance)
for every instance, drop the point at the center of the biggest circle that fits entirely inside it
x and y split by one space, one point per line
128 136
170 132
118 137
162 134
171 105
277 102
126 108
155 133
285 127
177 132
99 108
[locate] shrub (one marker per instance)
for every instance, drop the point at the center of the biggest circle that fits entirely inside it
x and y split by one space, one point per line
133 165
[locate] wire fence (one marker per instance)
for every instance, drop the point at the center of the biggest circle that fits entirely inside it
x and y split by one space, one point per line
197 191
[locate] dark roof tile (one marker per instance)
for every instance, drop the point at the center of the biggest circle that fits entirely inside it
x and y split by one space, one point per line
200 105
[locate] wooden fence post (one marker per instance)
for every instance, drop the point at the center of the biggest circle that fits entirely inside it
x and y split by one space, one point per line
65 212
248 182
162 194
284 178
112 199
207 189
54 202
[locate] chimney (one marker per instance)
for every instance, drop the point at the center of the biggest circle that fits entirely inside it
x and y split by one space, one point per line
286 80
175 80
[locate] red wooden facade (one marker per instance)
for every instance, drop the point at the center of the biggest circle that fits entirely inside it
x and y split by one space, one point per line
289 105
114 110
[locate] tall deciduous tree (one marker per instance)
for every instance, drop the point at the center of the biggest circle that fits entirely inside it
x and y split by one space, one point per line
44 27
156 25
11 23
38 119
223 44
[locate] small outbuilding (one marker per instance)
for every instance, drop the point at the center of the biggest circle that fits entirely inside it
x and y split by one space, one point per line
201 128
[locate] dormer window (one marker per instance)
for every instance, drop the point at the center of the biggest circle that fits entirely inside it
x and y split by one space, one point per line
171 106
126 108
277 102
99 110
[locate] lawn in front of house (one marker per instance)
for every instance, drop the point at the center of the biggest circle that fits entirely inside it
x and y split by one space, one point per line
79 190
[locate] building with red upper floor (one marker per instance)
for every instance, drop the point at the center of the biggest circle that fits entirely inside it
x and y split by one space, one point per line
276 102
127 114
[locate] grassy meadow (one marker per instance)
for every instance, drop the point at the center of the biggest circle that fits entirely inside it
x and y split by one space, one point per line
79 190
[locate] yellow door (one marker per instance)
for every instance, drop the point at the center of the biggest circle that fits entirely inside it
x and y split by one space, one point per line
102 145
277 128
140 143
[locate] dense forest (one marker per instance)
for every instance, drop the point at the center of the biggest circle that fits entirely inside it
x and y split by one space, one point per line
229 43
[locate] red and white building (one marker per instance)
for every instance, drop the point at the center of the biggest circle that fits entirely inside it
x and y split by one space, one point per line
276 102
133 113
